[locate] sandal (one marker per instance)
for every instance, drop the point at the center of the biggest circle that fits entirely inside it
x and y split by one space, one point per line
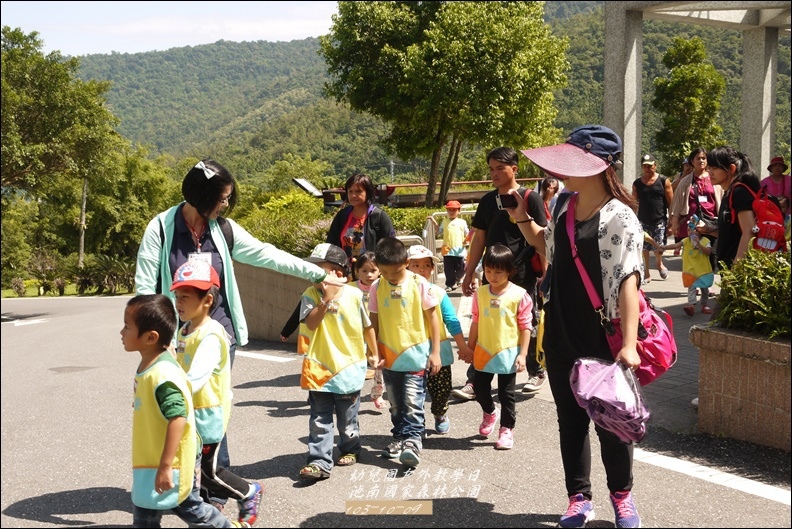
347 460
313 471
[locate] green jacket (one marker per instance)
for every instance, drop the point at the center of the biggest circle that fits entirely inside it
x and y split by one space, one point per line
152 262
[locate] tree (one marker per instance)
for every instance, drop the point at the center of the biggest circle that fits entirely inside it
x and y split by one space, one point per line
440 72
689 99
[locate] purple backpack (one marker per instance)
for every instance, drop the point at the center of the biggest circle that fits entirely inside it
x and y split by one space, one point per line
611 396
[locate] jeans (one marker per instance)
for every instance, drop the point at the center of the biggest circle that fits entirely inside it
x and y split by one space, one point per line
320 436
192 510
406 395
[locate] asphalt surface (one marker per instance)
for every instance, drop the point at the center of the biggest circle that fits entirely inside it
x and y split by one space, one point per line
66 426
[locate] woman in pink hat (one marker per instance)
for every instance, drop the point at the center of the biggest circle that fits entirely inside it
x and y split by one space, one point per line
608 239
778 183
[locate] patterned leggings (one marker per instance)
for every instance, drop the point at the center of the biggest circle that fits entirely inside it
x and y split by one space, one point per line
439 386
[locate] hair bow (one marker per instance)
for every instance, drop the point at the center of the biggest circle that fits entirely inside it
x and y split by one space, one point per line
208 173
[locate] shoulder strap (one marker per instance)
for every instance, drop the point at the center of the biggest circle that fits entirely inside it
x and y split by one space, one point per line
731 199
560 201
593 295
228 232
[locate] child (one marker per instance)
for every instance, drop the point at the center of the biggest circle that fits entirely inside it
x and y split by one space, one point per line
165 450
454 230
334 366
696 268
422 261
367 272
202 351
404 316
499 336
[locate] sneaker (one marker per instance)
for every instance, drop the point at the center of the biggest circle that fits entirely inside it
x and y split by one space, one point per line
466 392
624 508
411 454
394 450
505 439
664 273
449 289
248 508
690 310
706 309
234 523
488 422
442 424
579 512
535 383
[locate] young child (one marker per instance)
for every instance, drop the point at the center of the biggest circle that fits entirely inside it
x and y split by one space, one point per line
422 261
696 268
334 366
499 336
367 272
404 316
454 230
165 450
202 351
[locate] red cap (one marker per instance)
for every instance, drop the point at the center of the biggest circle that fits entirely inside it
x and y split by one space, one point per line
453 204
198 274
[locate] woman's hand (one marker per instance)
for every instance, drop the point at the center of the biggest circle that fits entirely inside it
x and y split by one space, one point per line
332 279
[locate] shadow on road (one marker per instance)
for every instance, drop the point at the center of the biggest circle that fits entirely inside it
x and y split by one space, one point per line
50 508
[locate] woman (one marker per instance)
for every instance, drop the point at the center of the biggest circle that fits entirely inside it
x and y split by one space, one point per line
358 227
735 217
587 164
549 190
195 229
696 194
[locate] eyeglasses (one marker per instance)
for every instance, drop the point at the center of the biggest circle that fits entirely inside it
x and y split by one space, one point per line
223 201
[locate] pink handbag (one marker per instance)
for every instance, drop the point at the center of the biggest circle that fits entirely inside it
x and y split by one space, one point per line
656 344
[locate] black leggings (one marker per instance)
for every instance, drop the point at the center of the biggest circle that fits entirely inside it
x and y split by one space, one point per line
483 387
218 481
573 428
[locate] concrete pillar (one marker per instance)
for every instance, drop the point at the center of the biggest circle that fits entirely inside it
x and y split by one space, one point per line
757 121
622 83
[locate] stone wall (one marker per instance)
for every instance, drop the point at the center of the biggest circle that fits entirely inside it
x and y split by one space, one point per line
744 386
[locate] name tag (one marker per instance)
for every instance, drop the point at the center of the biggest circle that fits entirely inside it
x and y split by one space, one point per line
201 256
396 293
703 198
495 303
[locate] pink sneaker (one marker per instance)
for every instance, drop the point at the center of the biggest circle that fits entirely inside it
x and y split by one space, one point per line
488 422
505 439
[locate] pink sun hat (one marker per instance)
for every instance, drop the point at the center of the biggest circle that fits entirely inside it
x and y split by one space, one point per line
588 151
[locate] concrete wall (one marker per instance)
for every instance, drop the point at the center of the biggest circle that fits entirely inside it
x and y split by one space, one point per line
744 386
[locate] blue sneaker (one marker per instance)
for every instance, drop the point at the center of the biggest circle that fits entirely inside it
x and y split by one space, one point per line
411 454
249 507
579 512
624 508
442 424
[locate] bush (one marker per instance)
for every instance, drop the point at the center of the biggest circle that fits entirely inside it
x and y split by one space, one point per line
18 285
755 294
410 221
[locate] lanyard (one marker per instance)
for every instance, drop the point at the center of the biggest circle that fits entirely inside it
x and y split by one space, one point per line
197 235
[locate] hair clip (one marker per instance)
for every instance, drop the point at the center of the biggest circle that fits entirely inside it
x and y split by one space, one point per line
208 173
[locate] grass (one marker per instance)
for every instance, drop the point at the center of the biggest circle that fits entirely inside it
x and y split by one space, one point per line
71 290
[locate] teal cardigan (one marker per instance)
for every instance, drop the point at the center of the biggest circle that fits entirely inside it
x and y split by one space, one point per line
152 262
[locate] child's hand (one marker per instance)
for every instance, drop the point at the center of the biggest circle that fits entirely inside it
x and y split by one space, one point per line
283 338
434 363
519 364
163 481
466 354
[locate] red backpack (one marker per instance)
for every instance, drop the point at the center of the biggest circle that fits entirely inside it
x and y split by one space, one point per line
769 228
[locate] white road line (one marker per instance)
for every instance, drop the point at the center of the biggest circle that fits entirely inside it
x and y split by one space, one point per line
19 323
715 476
260 356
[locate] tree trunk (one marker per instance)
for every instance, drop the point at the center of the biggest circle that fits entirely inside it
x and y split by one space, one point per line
432 181
81 249
450 168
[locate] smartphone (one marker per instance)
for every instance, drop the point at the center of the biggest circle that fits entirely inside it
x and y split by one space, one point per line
506 201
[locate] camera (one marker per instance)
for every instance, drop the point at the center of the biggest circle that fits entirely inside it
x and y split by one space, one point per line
506 201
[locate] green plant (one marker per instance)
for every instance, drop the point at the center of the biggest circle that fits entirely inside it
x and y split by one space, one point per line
409 221
18 284
755 294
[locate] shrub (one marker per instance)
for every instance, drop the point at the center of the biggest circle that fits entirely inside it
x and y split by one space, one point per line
410 221
755 294
18 284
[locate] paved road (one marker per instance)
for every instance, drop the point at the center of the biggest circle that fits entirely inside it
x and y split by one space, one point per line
66 413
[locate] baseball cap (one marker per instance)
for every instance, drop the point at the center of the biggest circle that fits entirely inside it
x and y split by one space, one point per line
648 159
196 273
588 151
330 253
453 204
416 251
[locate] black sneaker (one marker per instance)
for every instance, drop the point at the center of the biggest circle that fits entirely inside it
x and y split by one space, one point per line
394 450
411 454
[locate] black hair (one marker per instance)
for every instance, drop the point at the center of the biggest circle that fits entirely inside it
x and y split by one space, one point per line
723 157
365 181
390 251
213 290
547 182
695 152
154 312
506 155
364 258
499 257
205 193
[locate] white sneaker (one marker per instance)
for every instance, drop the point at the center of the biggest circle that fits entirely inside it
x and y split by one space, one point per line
466 392
535 383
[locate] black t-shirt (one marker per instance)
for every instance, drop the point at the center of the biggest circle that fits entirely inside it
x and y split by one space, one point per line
651 200
501 228
729 233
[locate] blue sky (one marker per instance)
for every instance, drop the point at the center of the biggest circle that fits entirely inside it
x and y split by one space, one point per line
83 28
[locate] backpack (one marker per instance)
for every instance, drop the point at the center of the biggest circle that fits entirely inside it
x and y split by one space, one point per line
769 228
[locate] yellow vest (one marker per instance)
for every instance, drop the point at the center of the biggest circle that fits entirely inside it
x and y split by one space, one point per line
148 437
498 341
335 361
213 401
403 339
